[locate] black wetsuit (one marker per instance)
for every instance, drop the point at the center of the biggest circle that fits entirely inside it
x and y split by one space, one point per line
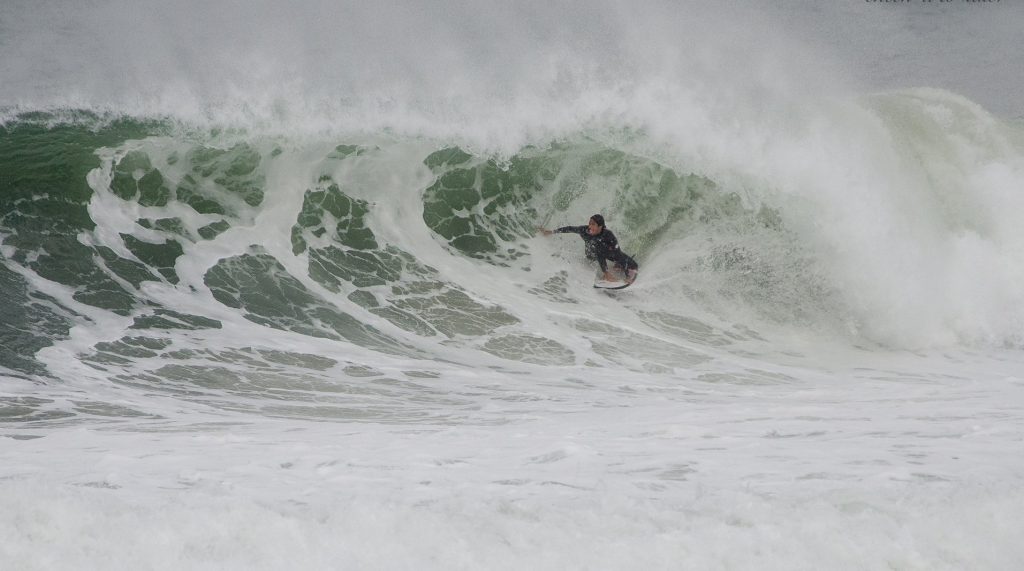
602 247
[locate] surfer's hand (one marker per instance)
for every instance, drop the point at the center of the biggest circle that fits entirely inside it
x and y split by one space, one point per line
544 231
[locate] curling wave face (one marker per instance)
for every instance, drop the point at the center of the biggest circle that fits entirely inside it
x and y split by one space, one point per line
133 246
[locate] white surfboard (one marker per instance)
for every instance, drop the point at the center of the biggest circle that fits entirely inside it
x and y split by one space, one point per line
604 284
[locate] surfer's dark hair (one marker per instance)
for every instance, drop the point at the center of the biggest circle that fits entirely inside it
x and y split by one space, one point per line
598 219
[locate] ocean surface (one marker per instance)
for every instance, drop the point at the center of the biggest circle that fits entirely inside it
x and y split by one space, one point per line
272 294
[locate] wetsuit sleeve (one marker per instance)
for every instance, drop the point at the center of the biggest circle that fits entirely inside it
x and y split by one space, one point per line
570 230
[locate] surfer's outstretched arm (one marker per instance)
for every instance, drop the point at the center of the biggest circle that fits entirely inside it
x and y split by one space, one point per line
581 230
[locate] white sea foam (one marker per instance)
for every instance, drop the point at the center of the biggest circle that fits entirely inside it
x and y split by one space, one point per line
875 468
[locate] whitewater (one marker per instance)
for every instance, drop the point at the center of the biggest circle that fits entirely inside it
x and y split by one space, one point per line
273 295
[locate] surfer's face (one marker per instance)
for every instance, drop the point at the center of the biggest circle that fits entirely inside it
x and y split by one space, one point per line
593 228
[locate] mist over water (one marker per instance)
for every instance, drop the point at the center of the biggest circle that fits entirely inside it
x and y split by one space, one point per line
272 63
489 70
271 291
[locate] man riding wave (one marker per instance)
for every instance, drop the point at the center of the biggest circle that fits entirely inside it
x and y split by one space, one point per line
601 245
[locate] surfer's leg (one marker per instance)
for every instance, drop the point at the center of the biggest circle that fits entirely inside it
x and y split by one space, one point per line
621 270
630 269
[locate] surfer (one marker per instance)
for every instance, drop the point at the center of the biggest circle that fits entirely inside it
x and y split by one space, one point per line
600 244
